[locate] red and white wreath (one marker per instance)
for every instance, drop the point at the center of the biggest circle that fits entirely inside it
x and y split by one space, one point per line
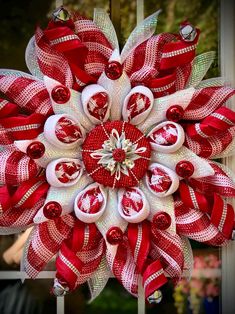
110 154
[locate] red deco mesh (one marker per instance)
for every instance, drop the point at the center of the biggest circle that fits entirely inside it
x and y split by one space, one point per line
221 213
207 100
182 75
51 62
168 249
20 208
213 134
14 218
29 94
44 242
142 65
80 255
7 109
139 240
218 183
20 128
124 267
219 121
178 53
99 48
16 167
197 226
164 84
210 147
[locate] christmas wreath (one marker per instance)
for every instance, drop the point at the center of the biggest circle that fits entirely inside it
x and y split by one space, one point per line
109 154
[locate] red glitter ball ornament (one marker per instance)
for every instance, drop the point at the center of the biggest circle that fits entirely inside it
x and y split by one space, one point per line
52 210
67 131
98 105
67 171
131 202
60 94
119 155
91 201
175 113
165 136
114 235
162 220
113 70
137 104
159 180
35 150
184 169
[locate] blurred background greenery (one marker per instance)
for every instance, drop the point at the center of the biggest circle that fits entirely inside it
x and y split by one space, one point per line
17 24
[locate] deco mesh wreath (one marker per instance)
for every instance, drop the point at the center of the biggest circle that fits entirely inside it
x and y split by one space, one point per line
109 155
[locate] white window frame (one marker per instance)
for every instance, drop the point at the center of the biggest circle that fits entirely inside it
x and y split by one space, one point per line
227 62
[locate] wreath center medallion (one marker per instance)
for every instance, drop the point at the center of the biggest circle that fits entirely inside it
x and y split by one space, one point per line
116 154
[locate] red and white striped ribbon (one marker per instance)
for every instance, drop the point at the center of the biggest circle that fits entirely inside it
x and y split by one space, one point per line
16 167
44 242
214 124
206 100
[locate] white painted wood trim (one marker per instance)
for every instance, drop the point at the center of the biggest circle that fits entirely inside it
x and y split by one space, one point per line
227 59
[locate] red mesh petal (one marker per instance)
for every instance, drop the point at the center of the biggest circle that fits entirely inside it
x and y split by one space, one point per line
51 62
16 167
142 64
207 100
99 48
29 94
44 242
168 249
20 128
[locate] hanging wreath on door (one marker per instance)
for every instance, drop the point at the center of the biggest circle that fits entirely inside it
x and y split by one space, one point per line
110 154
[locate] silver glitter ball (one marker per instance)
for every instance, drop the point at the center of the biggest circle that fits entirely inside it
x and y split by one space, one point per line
188 32
156 297
59 290
60 14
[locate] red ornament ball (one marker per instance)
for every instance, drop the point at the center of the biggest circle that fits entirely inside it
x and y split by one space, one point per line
52 210
67 131
162 220
119 155
113 70
175 113
184 169
114 235
60 94
35 150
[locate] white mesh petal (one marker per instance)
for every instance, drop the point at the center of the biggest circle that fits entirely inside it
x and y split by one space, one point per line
201 166
118 89
73 107
102 20
201 65
111 218
51 151
64 196
157 204
142 32
160 106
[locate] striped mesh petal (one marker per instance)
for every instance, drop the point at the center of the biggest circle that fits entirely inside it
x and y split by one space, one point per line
44 242
28 93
